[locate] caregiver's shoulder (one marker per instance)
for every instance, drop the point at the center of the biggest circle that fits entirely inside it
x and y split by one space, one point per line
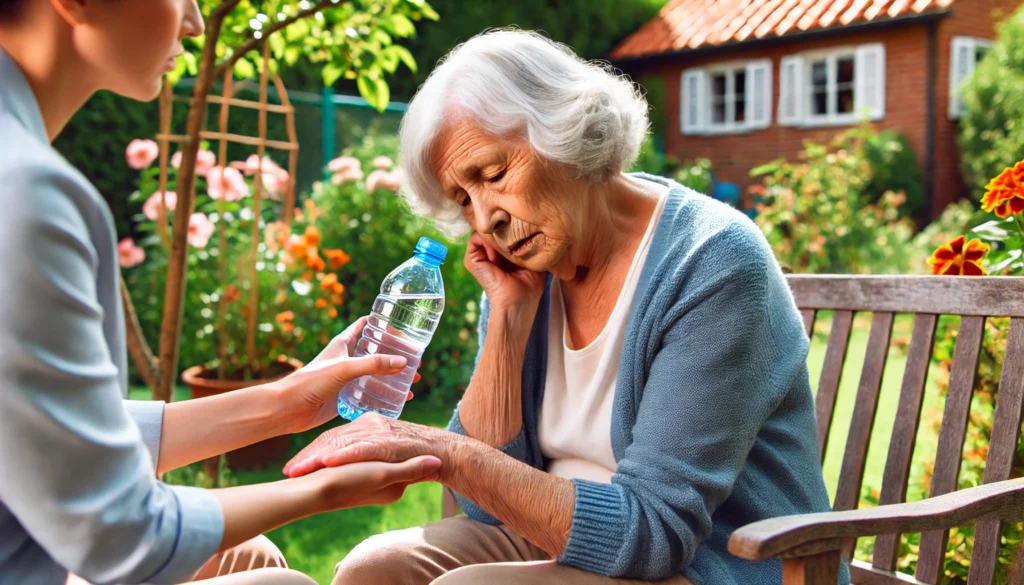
37 185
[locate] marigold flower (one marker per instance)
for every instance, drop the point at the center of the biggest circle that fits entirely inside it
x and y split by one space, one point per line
329 281
959 258
312 236
306 277
332 312
288 327
336 299
316 263
1004 194
321 303
232 294
285 317
338 288
337 258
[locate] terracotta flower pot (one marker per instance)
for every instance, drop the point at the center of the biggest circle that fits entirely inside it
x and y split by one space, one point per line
204 383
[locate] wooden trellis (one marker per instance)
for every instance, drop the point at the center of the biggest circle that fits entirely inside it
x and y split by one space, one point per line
148 365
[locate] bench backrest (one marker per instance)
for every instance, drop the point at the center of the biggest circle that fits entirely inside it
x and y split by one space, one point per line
927 298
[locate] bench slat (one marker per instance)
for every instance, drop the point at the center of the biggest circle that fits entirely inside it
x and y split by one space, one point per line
1002 448
901 447
951 439
808 316
831 373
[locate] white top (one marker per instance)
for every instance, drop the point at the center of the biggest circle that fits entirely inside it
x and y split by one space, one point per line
575 430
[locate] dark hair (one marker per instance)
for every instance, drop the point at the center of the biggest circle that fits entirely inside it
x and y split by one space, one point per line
9 8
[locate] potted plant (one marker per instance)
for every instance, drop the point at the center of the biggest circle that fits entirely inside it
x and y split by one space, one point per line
232 338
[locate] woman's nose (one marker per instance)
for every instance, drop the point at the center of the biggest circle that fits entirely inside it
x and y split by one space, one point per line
489 217
193 26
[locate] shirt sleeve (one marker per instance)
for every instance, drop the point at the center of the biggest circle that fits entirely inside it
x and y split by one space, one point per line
720 371
76 473
149 417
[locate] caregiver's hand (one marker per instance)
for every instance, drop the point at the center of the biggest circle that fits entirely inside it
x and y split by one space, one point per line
508 287
309 397
373 437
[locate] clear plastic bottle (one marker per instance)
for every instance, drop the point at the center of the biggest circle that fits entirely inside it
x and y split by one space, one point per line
403 319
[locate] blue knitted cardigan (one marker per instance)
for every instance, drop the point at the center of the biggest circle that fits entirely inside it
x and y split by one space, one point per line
712 418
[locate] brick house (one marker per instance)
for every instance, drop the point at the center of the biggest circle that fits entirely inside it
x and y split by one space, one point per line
747 81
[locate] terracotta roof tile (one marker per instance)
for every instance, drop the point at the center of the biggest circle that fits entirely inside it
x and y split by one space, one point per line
689 24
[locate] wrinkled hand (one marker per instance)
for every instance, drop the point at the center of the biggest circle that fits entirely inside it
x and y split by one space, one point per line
309 397
372 483
371 437
506 285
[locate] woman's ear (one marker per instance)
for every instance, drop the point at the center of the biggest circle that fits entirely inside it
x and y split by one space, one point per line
72 11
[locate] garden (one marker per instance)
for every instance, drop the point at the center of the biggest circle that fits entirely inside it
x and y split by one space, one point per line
272 267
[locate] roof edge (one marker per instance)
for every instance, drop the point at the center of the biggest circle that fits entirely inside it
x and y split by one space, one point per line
780 39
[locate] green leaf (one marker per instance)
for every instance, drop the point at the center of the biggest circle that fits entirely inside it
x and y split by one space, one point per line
381 37
244 69
991 230
402 26
428 12
375 91
388 60
291 55
331 73
403 55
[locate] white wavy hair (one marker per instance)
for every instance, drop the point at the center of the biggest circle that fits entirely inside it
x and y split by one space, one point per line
583 115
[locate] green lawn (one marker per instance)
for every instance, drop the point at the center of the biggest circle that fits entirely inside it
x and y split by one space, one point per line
316 544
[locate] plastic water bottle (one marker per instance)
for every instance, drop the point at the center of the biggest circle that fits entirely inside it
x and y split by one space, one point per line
402 321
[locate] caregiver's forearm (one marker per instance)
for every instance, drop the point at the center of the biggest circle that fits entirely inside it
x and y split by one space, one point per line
194 430
491 410
536 505
252 510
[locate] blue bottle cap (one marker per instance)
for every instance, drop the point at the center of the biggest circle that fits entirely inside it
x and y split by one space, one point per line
432 250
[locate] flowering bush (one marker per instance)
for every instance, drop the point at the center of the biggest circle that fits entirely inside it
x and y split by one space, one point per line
819 215
220 284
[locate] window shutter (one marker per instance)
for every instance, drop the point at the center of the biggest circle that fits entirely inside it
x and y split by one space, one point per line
960 68
791 90
693 101
869 78
759 94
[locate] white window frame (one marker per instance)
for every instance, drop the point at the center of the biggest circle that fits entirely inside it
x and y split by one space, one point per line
703 124
831 58
957 108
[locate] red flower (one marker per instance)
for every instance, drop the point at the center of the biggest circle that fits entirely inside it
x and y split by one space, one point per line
1004 194
959 258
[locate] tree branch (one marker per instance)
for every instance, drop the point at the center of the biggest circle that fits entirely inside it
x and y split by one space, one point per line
255 43
142 356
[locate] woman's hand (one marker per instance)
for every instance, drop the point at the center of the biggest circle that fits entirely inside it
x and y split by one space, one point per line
371 483
309 397
372 437
508 287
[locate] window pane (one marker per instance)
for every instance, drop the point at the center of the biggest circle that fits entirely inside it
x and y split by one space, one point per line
845 99
819 76
819 103
845 70
740 110
718 112
979 53
718 85
741 82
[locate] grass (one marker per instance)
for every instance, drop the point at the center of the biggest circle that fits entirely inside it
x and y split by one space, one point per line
314 545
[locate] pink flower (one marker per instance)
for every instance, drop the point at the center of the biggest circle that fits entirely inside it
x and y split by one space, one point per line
141 153
381 179
274 234
226 183
383 162
200 228
276 183
346 175
205 159
128 254
151 208
343 163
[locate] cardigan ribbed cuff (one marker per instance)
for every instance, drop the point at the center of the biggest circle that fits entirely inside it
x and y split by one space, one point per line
598 528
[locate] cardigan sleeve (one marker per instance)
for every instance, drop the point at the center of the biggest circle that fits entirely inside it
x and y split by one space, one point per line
719 373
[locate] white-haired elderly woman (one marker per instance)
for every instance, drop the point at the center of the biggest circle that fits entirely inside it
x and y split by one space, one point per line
641 388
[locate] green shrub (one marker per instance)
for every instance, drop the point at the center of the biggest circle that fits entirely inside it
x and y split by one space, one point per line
693 174
819 217
893 168
992 130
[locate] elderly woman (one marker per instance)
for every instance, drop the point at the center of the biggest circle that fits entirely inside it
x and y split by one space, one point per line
641 388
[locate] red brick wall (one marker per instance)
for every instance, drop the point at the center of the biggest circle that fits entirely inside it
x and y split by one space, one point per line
734 155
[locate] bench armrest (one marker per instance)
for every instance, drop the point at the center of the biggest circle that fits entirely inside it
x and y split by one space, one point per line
805 534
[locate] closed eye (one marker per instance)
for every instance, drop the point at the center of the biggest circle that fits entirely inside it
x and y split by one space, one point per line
497 177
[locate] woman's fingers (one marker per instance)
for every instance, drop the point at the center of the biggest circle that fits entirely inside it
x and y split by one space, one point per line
413 470
343 344
344 370
355 453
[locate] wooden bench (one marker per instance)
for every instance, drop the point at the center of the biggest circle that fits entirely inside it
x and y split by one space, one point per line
811 545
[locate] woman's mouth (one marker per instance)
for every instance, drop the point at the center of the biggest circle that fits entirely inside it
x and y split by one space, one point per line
523 246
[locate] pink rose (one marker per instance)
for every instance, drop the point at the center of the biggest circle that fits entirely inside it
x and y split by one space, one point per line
383 162
200 228
128 254
381 179
343 163
151 208
346 175
205 159
141 153
276 183
226 183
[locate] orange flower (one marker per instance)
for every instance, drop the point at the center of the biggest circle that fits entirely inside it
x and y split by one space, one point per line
338 288
285 317
1005 194
298 250
329 281
336 299
288 327
321 303
959 258
232 294
311 209
306 276
312 236
332 312
337 258
316 263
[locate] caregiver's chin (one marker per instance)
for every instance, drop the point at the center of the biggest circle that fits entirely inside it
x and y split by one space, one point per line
641 389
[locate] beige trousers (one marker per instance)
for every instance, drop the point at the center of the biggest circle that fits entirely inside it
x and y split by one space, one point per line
459 551
254 562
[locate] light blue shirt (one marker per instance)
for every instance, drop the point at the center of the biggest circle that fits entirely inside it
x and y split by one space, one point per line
78 490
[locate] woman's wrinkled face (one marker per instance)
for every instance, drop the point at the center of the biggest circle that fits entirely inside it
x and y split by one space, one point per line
528 208
131 44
